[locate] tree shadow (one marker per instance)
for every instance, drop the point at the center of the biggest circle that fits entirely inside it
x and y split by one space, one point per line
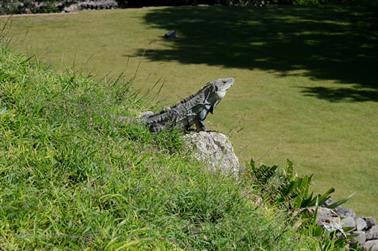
332 43
341 94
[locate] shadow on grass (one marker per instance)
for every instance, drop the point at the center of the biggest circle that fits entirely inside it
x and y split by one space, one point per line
341 94
330 43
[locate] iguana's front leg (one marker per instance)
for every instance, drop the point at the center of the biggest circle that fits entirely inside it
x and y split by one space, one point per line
200 120
200 125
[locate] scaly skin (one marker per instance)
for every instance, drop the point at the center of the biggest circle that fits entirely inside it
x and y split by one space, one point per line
192 110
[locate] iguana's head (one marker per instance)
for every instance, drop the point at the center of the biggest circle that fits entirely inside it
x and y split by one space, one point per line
222 85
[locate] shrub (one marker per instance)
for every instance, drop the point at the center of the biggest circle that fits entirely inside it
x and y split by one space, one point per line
281 187
28 6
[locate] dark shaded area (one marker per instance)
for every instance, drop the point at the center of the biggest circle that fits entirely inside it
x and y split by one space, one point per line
145 3
341 94
329 42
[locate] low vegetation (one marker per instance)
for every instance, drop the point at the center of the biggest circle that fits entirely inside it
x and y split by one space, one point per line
73 177
305 77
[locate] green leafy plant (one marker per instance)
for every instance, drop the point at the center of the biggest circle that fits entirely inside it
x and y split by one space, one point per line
284 189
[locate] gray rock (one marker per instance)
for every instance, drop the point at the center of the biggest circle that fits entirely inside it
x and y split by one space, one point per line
328 202
348 222
345 212
102 4
72 8
359 237
328 219
214 149
170 34
371 245
361 224
370 221
372 233
59 5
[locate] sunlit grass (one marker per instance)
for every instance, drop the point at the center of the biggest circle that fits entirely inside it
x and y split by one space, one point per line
290 100
74 178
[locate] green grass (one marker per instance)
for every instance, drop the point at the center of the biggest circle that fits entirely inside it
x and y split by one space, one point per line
73 177
306 79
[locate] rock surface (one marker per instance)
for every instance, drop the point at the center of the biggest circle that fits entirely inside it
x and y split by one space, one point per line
361 224
371 245
328 219
216 150
372 233
348 222
71 8
98 4
370 221
345 212
170 34
361 230
359 237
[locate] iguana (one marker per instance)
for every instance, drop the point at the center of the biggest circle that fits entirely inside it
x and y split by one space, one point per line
190 111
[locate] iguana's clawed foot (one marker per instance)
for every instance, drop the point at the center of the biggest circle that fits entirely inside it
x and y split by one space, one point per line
212 131
205 130
209 130
198 130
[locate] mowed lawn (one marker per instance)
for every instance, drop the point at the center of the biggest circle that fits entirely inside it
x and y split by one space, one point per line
306 79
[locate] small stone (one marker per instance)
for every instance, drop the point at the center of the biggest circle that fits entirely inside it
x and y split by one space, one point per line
372 233
328 219
371 245
71 8
328 202
348 222
359 237
170 34
345 212
361 224
370 221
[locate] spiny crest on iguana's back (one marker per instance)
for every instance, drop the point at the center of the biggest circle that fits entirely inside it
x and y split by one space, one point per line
191 110
197 94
